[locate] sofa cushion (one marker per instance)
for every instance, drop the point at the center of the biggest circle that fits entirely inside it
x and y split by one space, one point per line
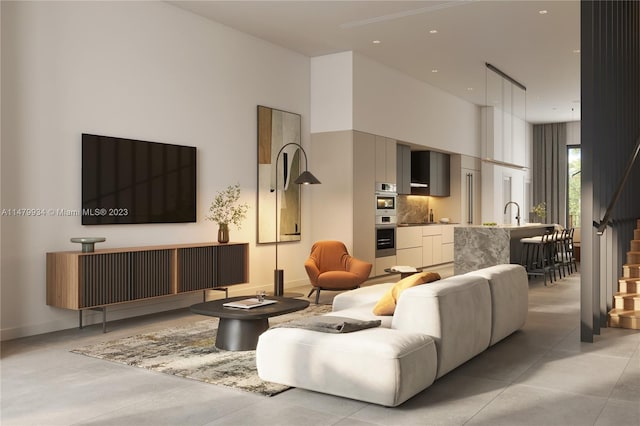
377 365
361 296
387 303
363 312
509 298
331 324
455 311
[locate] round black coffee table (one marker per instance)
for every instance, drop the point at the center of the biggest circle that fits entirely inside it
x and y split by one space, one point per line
240 328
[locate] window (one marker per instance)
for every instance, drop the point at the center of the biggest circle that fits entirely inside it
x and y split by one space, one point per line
573 182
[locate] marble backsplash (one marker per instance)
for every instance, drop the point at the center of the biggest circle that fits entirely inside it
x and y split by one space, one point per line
413 209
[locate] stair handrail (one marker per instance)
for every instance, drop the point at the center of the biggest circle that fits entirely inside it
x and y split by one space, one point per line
607 216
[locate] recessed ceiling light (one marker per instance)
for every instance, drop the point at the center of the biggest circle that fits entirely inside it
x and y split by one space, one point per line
543 12
576 50
470 89
434 70
376 42
433 31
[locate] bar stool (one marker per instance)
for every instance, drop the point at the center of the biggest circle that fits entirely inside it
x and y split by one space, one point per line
571 258
559 255
537 256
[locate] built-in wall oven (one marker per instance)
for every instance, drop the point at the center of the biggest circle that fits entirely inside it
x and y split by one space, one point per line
386 205
386 199
385 240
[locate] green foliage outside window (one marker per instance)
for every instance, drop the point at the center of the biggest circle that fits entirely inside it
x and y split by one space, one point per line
574 168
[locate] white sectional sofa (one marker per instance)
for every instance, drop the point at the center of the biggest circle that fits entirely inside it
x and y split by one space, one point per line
435 328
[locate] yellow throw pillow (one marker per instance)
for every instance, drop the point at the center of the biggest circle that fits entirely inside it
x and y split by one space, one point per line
387 303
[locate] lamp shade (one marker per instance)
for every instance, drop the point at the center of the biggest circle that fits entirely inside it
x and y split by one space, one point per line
306 178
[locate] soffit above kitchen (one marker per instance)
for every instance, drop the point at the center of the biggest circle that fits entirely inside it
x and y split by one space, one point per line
443 43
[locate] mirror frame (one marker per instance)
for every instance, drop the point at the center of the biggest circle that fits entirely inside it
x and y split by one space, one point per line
276 128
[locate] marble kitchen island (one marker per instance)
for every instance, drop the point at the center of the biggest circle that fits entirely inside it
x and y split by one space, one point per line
477 246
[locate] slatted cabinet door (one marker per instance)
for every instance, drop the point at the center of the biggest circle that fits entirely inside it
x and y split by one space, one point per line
152 273
196 268
105 279
201 268
231 265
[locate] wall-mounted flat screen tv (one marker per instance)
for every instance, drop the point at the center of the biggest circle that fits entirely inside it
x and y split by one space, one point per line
132 181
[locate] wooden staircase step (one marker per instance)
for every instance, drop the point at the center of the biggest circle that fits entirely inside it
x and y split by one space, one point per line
629 285
633 257
626 311
624 319
631 270
627 301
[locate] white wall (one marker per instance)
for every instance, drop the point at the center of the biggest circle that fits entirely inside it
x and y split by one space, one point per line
332 92
332 202
143 70
392 104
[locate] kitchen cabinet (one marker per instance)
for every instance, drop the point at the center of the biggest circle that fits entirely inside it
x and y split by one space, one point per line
431 230
504 122
425 246
382 263
410 256
385 166
431 245
408 237
364 180
409 246
440 174
432 169
464 202
403 169
447 243
470 200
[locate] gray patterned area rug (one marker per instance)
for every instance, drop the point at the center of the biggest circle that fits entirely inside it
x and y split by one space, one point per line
189 351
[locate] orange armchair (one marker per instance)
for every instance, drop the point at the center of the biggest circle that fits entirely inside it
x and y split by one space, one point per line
330 267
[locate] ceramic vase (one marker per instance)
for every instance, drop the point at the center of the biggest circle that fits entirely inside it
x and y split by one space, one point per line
223 233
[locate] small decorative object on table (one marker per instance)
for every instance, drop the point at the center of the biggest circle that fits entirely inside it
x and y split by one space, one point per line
538 213
88 242
249 303
225 210
404 271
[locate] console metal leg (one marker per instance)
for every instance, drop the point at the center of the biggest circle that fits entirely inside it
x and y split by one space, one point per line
225 289
102 309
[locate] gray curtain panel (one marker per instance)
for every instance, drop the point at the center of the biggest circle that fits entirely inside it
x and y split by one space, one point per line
549 175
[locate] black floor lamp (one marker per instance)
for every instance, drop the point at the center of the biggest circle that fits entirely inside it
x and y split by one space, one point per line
305 178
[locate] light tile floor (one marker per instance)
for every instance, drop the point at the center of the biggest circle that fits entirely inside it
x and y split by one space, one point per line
540 375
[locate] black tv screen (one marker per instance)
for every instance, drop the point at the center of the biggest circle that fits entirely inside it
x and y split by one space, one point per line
132 181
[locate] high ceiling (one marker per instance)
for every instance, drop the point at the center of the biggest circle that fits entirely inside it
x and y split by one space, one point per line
535 42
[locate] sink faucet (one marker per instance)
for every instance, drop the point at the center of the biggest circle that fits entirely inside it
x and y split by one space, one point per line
518 212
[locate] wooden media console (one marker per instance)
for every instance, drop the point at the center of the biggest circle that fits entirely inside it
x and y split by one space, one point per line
93 281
